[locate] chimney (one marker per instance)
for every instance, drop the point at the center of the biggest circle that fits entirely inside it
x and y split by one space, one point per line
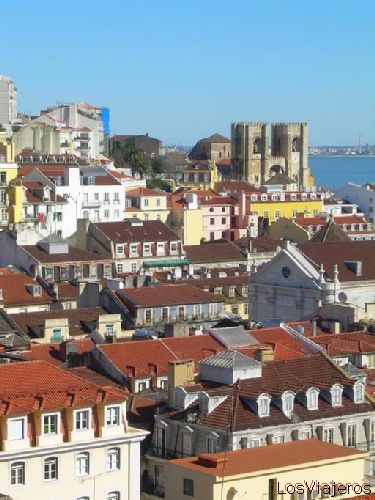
180 374
314 328
212 460
264 354
66 348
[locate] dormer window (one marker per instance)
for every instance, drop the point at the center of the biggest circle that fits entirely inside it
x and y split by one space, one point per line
312 396
359 392
264 401
112 415
287 403
336 395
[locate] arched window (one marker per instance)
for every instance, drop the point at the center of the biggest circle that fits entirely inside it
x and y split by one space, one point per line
287 399
336 395
312 397
113 495
359 392
264 401
17 473
257 145
295 145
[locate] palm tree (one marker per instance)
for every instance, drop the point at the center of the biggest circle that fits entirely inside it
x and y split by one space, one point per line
139 162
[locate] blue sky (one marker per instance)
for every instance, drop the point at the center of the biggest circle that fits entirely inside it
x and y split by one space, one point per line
184 69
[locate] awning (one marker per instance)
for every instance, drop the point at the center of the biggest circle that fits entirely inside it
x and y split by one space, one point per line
166 263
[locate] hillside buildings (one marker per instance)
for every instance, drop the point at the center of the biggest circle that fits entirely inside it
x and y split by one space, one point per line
8 103
363 196
212 148
58 428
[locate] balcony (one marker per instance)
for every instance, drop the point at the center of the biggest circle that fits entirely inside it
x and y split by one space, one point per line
91 204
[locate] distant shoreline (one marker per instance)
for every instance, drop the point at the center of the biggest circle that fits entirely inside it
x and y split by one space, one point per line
342 156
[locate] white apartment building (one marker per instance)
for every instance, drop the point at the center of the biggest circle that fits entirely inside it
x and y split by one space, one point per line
75 129
90 192
65 438
8 102
363 196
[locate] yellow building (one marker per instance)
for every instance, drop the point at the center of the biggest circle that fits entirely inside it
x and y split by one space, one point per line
186 218
11 194
146 204
280 204
289 471
201 175
63 437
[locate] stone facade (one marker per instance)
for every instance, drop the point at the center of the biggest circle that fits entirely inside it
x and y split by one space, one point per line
252 161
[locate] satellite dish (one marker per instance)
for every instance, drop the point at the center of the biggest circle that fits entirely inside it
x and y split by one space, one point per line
343 298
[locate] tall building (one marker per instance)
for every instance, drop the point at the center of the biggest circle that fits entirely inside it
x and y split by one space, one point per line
8 102
256 159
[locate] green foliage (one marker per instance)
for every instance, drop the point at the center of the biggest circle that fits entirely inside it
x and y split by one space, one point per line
160 184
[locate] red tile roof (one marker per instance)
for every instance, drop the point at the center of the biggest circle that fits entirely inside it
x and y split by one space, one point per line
74 255
338 253
346 343
235 187
79 320
125 232
30 386
214 252
166 295
142 355
14 289
52 353
142 191
219 200
265 458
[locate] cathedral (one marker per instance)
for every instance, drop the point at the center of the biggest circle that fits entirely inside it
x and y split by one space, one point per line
256 158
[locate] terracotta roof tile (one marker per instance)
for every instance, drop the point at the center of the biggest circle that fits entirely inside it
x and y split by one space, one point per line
28 386
142 191
265 458
15 292
166 295
125 232
214 252
74 255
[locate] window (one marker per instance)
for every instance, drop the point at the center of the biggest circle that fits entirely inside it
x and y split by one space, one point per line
133 248
158 216
336 395
212 221
145 202
113 459
85 214
372 431
304 435
16 428
312 396
133 267
173 247
223 220
265 214
147 248
186 442
254 443
158 202
212 444
164 313
17 473
279 438
147 216
106 214
120 268
352 435
82 464
288 400
106 198
188 487
112 415
181 312
294 214
96 196
246 308
232 291
328 435
50 424
116 214
142 386
359 392
116 198
82 420
109 329
264 405
148 315
160 247
164 384
277 214
56 335
235 309
243 443
316 212
50 469
113 495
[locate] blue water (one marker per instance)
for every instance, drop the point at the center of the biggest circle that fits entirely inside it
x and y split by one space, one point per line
335 171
